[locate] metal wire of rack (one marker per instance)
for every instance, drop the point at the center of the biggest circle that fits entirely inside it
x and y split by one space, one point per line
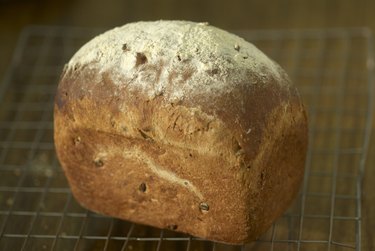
333 69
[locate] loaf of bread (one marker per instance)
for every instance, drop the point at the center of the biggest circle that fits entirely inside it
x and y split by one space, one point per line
181 125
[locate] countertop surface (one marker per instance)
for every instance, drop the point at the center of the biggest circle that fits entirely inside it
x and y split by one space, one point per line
230 15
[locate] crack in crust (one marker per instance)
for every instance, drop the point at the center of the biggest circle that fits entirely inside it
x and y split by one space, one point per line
161 172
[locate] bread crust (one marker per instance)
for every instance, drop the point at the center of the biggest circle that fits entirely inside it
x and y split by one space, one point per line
221 167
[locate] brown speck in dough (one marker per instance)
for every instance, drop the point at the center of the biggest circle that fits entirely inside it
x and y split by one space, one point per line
77 140
140 59
213 72
204 207
113 122
145 135
125 47
245 57
98 162
179 57
142 187
124 128
237 149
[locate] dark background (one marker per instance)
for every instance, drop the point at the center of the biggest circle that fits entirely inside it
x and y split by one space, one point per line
231 15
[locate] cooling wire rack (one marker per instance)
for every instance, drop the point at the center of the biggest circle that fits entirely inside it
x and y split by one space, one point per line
333 69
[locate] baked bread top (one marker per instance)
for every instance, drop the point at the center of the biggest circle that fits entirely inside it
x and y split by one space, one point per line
197 58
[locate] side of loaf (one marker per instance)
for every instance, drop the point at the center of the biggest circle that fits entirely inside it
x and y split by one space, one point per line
181 125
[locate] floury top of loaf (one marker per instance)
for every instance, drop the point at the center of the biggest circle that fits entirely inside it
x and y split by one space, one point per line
202 57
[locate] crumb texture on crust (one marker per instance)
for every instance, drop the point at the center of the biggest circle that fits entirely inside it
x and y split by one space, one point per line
206 59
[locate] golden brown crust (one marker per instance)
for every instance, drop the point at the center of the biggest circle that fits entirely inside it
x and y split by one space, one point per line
210 169
203 137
